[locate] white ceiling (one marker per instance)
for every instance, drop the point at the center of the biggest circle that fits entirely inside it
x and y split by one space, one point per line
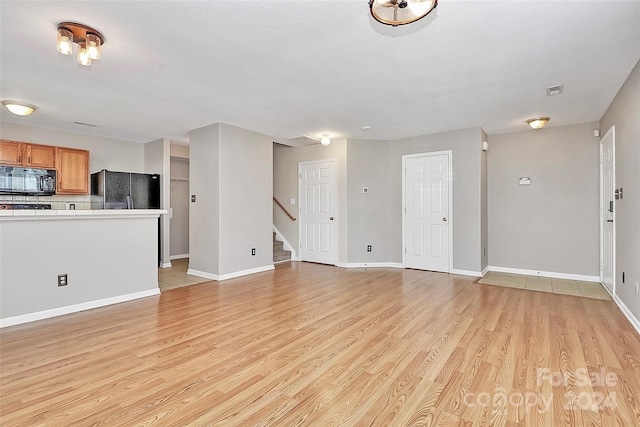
291 68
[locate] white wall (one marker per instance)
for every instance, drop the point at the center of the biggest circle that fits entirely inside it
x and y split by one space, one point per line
624 113
551 225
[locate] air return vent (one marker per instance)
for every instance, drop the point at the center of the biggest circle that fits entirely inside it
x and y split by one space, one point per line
554 90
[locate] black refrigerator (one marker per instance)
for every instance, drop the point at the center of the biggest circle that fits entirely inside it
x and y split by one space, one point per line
124 190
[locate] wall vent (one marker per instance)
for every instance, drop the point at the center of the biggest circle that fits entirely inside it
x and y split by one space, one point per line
555 90
85 124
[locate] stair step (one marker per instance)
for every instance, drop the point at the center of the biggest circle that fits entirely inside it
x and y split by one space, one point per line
279 253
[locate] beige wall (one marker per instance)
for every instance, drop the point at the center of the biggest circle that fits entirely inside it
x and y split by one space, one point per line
624 114
551 225
179 206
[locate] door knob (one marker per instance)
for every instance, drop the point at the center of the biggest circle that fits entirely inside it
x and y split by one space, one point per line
444 219
331 219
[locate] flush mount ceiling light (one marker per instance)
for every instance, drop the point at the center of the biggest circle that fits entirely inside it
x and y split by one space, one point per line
400 12
538 122
88 39
325 139
19 108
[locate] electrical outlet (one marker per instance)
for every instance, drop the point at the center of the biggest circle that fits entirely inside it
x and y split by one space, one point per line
369 248
193 198
62 280
253 251
484 251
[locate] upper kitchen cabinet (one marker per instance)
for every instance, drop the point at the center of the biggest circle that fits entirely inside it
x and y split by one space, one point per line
72 165
13 153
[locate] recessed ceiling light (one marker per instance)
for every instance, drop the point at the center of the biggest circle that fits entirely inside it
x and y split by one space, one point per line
19 108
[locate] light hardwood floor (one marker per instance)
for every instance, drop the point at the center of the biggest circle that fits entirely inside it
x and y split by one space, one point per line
314 345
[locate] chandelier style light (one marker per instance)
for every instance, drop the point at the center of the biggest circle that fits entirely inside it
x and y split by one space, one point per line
400 12
538 122
88 39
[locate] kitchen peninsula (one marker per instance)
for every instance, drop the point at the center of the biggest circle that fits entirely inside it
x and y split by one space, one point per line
109 256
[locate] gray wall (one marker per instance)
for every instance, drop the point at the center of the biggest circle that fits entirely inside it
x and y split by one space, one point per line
370 214
179 206
551 225
624 113
376 217
231 174
204 214
484 205
466 145
246 194
105 153
285 187
103 258
157 160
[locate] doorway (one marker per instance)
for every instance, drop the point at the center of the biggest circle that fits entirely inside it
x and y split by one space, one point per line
427 230
607 211
317 228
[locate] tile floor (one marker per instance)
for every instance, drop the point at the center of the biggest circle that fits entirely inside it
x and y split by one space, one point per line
546 284
176 276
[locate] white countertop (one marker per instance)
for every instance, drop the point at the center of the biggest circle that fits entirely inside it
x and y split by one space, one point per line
17 214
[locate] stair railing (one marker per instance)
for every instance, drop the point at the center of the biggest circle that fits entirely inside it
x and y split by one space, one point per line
284 209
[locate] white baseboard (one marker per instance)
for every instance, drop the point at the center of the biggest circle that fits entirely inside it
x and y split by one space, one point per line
182 256
628 314
165 265
369 265
466 272
551 274
485 271
285 244
60 311
233 275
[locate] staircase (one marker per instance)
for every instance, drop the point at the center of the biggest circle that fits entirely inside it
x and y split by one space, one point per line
279 254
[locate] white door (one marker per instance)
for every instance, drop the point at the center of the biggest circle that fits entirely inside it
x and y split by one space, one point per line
317 230
427 205
607 211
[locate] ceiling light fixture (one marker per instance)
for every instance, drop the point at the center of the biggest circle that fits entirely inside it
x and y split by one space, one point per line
325 139
88 39
400 12
538 122
19 108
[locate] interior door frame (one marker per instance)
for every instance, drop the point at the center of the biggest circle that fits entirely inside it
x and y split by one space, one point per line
611 132
449 154
334 198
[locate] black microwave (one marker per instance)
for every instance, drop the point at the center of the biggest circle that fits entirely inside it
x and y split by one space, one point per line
27 181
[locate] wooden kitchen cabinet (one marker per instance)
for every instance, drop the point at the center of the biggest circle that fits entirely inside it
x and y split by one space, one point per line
72 165
14 153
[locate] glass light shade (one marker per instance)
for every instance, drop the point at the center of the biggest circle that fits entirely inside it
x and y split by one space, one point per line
325 140
538 122
65 41
19 108
83 56
93 46
400 12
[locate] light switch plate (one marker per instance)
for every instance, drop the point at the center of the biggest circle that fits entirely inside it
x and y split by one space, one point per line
292 201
